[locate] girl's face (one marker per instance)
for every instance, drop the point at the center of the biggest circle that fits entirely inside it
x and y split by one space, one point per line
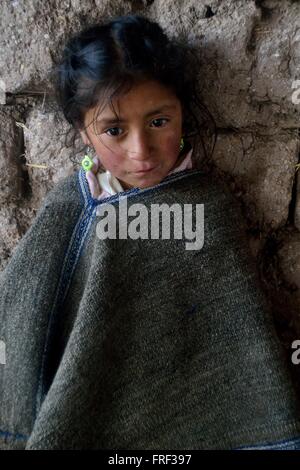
142 147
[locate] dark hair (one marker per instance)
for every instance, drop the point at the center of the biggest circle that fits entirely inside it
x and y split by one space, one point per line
106 59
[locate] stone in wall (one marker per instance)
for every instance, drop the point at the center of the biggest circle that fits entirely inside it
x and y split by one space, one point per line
33 30
46 151
263 168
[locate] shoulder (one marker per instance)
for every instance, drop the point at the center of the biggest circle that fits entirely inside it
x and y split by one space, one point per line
58 212
66 191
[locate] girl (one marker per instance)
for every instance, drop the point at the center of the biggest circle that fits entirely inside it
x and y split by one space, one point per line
135 342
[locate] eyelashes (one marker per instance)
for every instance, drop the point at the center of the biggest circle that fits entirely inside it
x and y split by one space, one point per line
118 135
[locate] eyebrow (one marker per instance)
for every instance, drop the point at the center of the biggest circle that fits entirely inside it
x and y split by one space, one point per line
150 113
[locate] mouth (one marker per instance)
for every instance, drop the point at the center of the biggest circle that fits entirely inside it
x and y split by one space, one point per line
143 172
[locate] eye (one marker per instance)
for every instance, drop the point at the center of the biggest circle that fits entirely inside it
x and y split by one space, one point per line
158 121
113 130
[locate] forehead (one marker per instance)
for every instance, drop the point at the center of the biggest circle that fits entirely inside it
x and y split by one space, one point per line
141 99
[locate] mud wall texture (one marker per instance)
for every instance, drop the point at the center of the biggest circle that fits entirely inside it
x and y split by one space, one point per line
250 82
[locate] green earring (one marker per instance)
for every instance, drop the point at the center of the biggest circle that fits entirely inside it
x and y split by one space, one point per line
87 163
181 144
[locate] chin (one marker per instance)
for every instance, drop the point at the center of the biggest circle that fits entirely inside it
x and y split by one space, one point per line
147 182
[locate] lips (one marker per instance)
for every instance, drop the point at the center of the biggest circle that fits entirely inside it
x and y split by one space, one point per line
144 170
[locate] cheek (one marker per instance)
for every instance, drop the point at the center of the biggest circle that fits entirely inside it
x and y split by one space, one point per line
107 155
171 144
111 160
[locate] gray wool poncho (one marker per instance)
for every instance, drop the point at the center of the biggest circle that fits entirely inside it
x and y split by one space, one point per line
139 343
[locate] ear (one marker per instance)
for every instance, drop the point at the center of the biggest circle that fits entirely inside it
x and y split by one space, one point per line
85 138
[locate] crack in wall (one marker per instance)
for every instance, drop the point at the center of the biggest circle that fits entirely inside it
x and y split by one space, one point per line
138 5
22 97
266 13
22 102
209 13
260 25
26 186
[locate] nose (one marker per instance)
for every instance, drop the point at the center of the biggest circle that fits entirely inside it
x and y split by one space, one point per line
139 146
